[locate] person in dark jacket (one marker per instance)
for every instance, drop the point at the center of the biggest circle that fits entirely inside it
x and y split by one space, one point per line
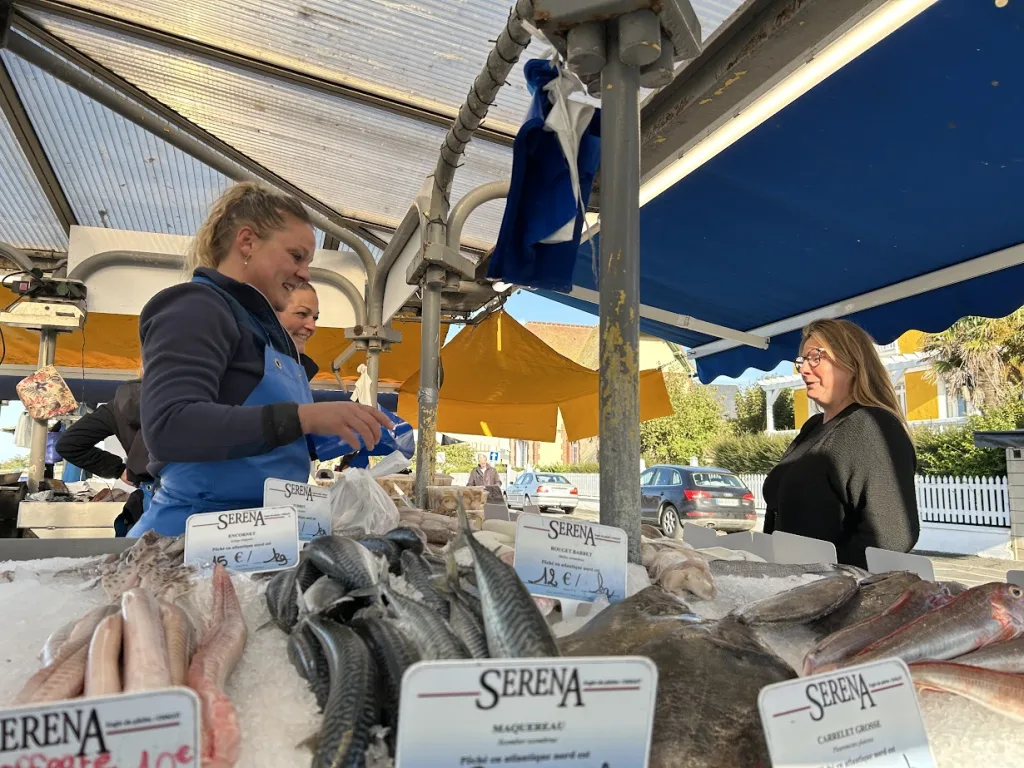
848 477
118 418
227 403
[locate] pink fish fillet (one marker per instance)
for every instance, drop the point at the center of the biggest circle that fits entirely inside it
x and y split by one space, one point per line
146 665
214 660
1002 692
103 671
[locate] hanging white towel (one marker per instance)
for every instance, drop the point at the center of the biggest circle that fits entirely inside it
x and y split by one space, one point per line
361 391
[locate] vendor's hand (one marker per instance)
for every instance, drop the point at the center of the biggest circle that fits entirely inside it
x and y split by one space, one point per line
126 480
345 420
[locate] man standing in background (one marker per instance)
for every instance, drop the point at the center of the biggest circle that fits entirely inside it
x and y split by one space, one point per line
483 473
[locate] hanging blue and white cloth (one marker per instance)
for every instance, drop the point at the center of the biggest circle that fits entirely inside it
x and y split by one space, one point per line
555 158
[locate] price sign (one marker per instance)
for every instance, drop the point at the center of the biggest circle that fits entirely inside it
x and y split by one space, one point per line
581 712
866 715
570 559
265 539
156 729
312 504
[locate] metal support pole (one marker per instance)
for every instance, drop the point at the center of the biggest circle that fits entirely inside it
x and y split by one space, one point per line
37 461
430 360
373 371
620 295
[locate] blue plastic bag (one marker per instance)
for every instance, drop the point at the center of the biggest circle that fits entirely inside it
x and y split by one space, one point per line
401 439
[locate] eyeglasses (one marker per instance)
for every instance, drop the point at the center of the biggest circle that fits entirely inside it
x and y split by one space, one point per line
812 358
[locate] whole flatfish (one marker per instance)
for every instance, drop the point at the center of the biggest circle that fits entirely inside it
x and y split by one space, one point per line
800 604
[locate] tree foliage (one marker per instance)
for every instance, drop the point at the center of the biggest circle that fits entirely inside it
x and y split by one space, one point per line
981 358
751 410
561 467
953 453
695 425
751 454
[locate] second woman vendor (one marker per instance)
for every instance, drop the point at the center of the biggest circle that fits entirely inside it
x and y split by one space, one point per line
226 403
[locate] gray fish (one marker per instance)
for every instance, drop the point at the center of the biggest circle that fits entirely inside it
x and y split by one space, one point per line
281 596
753 569
324 593
1001 657
407 539
351 708
873 597
392 653
706 712
306 574
382 547
515 626
308 658
425 627
621 628
801 604
417 572
343 560
468 627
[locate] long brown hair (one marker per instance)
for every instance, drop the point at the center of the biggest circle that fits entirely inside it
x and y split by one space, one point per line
246 204
850 347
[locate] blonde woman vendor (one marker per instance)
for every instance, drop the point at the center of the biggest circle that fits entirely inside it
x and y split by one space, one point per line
226 403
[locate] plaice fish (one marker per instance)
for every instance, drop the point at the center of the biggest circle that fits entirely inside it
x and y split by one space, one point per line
621 628
1001 692
983 615
1007 656
756 570
922 597
344 560
514 624
392 654
875 594
708 680
801 604
351 707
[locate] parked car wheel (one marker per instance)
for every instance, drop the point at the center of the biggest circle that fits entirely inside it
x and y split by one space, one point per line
669 519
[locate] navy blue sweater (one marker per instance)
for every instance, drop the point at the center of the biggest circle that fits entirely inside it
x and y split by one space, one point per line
200 366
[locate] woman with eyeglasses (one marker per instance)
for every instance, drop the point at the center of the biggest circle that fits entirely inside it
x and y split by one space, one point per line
848 477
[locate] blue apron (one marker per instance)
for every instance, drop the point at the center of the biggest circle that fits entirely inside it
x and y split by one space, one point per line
187 488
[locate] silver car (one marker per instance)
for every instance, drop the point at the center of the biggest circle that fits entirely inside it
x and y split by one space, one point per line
544 489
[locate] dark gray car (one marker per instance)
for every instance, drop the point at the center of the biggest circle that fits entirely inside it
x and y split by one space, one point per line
707 496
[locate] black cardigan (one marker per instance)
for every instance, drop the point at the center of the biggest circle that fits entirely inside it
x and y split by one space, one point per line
849 481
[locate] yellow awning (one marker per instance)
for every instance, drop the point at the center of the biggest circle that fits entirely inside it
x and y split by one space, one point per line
111 342
501 380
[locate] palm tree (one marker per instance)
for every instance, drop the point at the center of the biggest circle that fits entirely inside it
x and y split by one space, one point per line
981 358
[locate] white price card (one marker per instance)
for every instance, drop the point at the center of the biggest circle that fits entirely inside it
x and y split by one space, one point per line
131 730
264 539
570 559
311 502
564 713
865 716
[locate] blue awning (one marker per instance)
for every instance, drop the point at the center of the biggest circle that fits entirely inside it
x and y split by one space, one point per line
907 161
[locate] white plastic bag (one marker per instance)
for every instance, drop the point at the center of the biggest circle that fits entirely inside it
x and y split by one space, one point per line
358 502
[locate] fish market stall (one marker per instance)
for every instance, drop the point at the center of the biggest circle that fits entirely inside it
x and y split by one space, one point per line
719 625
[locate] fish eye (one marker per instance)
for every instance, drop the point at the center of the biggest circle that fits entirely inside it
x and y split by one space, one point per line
1016 591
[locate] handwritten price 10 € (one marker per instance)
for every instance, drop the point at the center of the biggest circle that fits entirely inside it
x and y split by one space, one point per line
183 756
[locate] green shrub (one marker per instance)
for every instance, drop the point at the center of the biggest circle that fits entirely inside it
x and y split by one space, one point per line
587 467
751 454
953 452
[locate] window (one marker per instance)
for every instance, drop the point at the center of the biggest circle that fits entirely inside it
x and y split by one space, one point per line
665 476
574 452
717 480
675 478
647 477
901 395
552 479
888 349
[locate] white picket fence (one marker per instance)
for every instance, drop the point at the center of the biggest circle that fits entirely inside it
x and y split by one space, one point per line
958 500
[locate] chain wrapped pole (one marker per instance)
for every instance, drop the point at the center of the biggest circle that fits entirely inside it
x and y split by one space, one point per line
37 457
506 52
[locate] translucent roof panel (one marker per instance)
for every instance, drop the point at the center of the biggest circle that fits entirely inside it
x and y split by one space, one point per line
365 162
114 173
26 219
424 53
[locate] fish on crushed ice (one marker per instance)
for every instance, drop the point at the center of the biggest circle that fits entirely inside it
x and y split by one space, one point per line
688 577
408 538
514 624
306 655
621 628
432 635
383 547
417 572
1007 656
180 641
706 712
874 595
1001 692
351 708
983 615
146 664
467 627
800 604
282 596
922 597
79 629
344 560
103 666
